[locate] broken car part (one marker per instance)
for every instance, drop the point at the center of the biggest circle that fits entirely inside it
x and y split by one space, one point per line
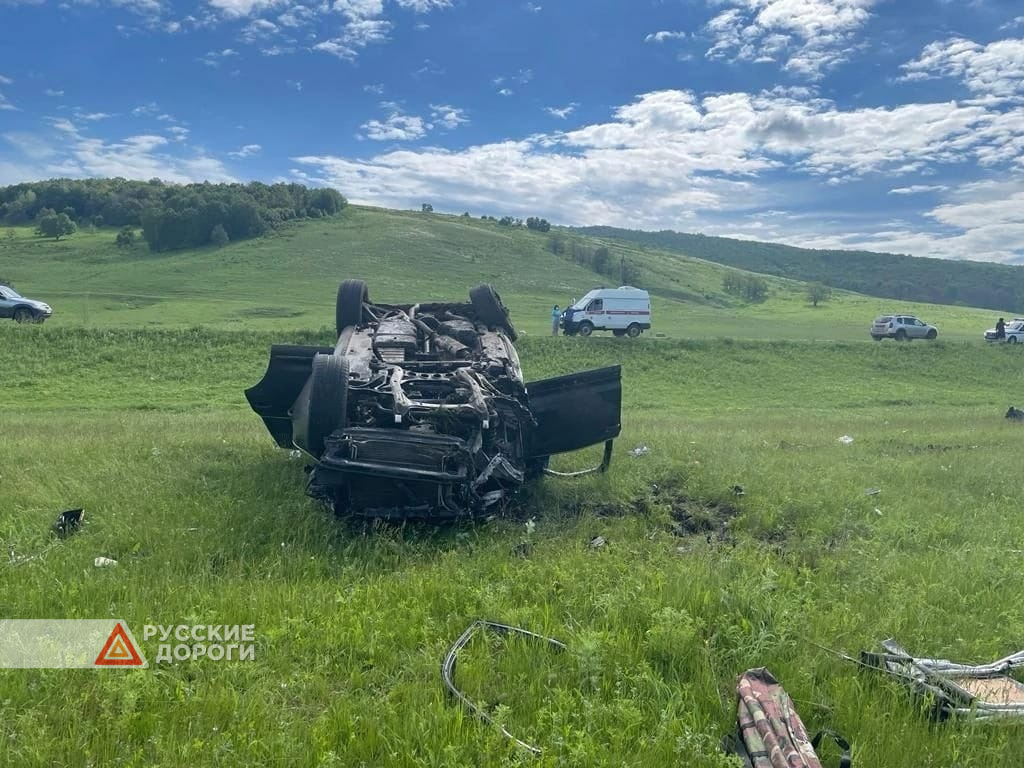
421 410
452 657
981 691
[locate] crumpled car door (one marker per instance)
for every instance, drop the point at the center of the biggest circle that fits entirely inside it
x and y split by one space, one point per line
575 411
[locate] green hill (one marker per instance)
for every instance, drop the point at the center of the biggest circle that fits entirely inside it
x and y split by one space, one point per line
886 275
287 279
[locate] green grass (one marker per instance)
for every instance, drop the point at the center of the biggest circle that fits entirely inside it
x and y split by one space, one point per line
124 405
149 431
288 280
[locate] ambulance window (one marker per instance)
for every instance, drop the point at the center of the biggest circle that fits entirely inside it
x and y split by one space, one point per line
595 306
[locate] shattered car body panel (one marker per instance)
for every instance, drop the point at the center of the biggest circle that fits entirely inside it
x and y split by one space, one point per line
421 410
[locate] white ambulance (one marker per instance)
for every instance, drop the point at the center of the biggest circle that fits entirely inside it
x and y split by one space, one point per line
625 311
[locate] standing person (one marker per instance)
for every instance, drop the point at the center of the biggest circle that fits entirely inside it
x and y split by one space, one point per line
555 317
1000 329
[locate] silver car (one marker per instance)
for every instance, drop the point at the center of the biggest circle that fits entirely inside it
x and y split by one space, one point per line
20 309
902 328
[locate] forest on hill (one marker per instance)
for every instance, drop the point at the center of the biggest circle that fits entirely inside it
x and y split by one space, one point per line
890 276
171 216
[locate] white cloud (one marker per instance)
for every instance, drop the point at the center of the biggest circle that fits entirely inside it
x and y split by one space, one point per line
294 84
30 145
532 8
663 35
296 16
374 88
247 151
672 159
172 26
64 126
214 58
356 35
5 105
995 70
258 30
917 189
5 80
562 112
359 9
506 92
178 132
1013 23
240 8
397 127
447 116
146 110
423 6
92 116
812 36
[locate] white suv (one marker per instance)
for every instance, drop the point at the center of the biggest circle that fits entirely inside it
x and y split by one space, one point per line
902 328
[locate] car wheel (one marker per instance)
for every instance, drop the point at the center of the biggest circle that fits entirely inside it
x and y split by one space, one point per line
932 335
22 315
328 399
1011 340
348 309
901 335
586 328
876 338
491 311
618 333
633 331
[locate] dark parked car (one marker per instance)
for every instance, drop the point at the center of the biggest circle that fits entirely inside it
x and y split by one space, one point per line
421 410
20 309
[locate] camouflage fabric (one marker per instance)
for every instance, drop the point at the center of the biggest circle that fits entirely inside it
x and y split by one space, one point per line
771 730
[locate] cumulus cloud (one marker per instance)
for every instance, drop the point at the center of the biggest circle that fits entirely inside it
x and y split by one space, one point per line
396 127
423 6
247 151
673 159
447 116
917 189
808 36
663 35
240 8
562 112
993 70
5 80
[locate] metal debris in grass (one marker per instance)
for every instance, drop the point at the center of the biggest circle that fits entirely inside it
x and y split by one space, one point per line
597 542
872 491
104 562
640 450
978 691
452 657
68 522
737 490
845 439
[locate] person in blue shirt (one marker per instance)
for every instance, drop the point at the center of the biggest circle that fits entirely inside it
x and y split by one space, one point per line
555 317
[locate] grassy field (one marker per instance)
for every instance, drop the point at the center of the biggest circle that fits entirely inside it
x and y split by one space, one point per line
288 280
138 415
149 431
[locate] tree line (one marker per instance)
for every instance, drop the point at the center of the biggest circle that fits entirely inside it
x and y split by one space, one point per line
171 216
891 276
599 259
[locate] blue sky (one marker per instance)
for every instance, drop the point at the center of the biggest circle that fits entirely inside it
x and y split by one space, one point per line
891 125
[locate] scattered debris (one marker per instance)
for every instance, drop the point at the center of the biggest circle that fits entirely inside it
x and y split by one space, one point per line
982 691
640 450
737 490
878 511
295 453
452 657
68 522
845 439
872 491
597 542
1015 414
769 732
104 562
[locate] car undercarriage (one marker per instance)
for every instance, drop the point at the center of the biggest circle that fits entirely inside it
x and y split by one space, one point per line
421 410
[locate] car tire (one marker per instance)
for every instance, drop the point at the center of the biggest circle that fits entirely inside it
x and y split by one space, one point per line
876 338
586 328
633 330
23 315
1011 340
328 399
618 332
901 335
348 309
490 310
932 335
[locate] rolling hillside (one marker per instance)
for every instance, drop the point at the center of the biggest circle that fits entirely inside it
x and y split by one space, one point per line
288 279
907 278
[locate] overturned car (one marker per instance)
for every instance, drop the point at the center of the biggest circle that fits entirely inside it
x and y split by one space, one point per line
421 410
